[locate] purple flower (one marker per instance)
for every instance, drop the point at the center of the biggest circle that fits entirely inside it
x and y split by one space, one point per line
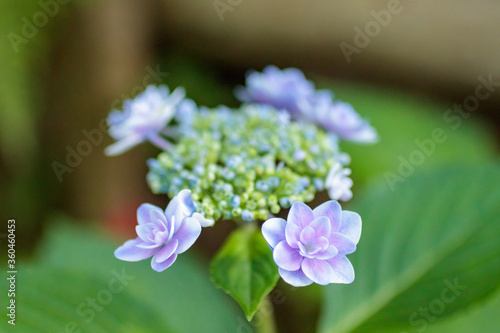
338 183
163 235
283 89
143 118
289 90
338 118
312 245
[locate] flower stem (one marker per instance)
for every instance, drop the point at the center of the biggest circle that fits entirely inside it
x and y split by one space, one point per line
264 318
160 142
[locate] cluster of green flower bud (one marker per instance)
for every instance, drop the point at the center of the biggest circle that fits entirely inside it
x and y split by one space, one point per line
244 164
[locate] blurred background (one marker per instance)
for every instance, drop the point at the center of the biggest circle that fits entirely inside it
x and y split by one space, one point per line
408 66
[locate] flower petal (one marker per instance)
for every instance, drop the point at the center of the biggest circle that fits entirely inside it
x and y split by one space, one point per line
308 236
286 257
317 270
273 231
181 206
342 243
204 222
292 233
300 214
161 237
321 226
166 251
144 233
144 213
159 220
329 253
187 234
332 210
351 225
322 243
122 145
129 251
161 266
295 278
342 270
147 245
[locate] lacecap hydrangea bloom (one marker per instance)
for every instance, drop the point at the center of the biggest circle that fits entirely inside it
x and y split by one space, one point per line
275 152
143 119
245 164
312 245
289 90
163 234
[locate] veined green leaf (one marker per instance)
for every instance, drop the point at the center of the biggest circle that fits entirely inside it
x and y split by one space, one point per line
427 249
245 269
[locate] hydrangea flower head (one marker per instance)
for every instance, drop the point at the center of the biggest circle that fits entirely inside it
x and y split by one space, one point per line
163 234
312 245
283 89
243 164
143 118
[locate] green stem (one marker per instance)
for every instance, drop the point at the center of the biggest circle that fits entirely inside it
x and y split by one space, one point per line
264 318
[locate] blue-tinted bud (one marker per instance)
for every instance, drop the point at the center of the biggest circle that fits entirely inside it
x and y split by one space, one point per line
299 155
177 182
228 174
177 166
228 188
285 202
262 185
233 161
247 215
273 181
318 184
199 169
234 201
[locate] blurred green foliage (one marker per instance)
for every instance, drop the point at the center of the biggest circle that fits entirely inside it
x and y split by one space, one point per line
16 87
76 263
201 81
428 249
22 46
402 119
480 318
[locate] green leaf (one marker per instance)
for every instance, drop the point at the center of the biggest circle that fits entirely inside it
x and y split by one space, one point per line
405 124
57 300
484 319
76 262
432 244
245 269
